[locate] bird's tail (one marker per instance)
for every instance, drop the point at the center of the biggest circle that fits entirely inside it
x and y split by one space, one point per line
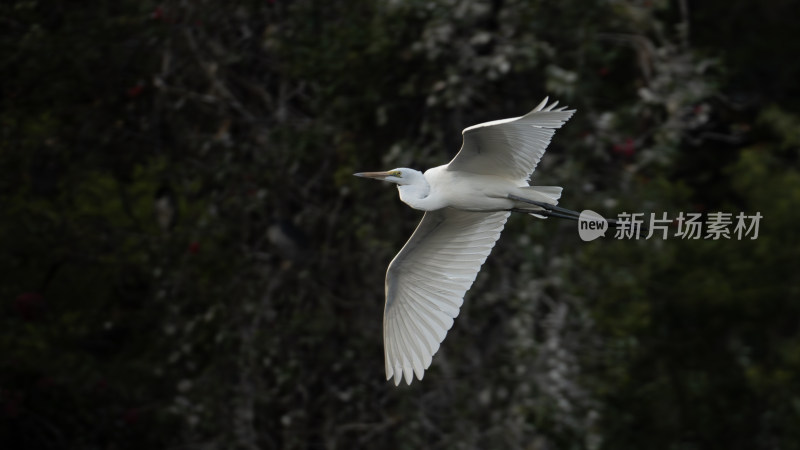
541 201
544 194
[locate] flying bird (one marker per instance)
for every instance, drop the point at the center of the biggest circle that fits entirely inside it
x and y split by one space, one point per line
466 204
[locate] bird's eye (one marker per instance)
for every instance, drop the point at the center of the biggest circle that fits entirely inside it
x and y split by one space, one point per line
397 174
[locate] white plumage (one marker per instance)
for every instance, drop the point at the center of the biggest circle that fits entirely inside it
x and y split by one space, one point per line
467 203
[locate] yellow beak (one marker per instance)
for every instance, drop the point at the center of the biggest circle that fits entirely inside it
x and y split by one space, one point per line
376 175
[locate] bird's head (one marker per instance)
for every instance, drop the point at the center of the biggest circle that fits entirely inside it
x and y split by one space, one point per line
401 176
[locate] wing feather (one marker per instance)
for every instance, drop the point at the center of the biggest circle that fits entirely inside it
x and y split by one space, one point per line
510 147
425 331
426 283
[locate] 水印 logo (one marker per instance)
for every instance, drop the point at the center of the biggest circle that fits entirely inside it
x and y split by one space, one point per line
591 225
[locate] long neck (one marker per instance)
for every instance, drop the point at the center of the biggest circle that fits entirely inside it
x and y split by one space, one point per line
415 193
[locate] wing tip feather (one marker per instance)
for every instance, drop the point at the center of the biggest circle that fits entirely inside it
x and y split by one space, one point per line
541 105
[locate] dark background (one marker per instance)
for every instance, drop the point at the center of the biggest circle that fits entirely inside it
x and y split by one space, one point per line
187 262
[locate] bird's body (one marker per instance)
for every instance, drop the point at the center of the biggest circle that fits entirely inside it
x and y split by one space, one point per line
459 190
467 203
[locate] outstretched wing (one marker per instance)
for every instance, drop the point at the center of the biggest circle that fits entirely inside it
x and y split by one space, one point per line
510 148
426 283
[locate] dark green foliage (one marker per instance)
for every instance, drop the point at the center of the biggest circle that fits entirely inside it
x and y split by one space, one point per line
187 261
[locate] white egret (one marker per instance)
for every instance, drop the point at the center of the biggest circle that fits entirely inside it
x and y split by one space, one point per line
466 204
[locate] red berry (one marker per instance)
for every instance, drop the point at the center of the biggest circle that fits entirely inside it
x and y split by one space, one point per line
30 305
131 416
136 90
627 148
